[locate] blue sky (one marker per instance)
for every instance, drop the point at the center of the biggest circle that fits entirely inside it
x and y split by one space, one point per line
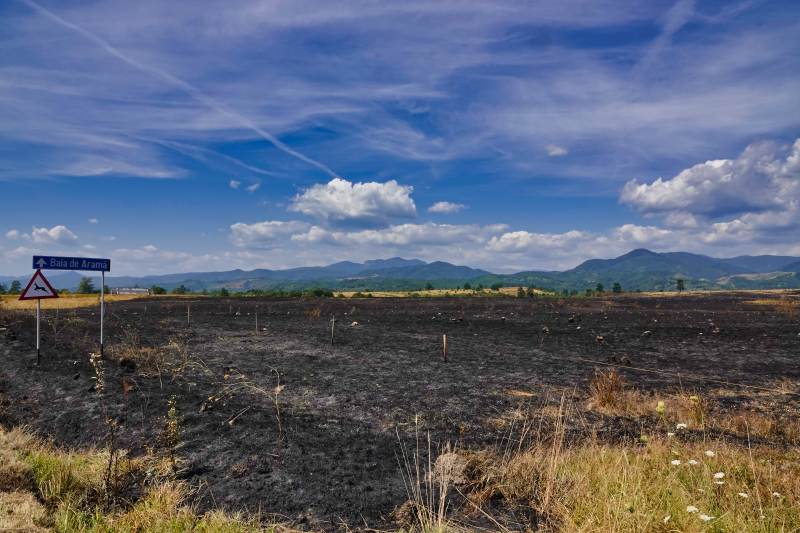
176 136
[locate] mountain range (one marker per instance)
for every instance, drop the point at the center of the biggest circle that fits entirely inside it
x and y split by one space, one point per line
639 269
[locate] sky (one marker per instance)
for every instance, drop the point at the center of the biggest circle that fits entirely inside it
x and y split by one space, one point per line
203 136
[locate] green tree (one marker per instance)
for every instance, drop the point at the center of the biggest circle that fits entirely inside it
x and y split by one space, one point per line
224 292
520 292
428 286
589 292
86 286
531 292
180 289
497 286
467 286
2 289
617 288
15 288
599 289
155 289
680 285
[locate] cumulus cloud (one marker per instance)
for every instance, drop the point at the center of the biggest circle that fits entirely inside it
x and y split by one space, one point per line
446 208
264 234
153 259
553 150
56 235
234 184
523 241
765 177
93 221
429 234
341 202
12 234
254 187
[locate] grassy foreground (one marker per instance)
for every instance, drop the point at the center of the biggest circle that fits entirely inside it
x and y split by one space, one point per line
665 483
46 489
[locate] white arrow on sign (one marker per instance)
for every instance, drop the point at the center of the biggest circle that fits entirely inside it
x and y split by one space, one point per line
41 263
38 288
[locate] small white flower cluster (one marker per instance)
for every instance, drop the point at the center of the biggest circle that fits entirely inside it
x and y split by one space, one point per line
691 509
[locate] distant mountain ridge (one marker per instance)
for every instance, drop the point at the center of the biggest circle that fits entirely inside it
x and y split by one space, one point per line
639 269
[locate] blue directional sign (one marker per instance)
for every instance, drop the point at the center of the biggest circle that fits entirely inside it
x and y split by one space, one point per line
45 262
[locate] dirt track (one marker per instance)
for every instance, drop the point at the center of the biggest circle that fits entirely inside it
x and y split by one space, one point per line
328 453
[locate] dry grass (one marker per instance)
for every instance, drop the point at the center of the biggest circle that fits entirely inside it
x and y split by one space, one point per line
43 488
600 488
786 304
607 389
64 301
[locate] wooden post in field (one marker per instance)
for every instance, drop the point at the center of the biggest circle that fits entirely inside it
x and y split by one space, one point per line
256 320
333 324
444 347
188 315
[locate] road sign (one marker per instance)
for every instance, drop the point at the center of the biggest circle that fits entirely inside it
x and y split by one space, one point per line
38 288
46 262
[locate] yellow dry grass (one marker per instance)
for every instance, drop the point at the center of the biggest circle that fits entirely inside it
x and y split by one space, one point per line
45 489
64 301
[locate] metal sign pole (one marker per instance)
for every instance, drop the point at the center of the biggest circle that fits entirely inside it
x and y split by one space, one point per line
102 308
38 312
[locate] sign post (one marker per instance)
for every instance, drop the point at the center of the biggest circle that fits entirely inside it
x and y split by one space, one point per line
46 262
38 289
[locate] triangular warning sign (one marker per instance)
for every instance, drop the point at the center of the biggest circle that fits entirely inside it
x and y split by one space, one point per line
38 288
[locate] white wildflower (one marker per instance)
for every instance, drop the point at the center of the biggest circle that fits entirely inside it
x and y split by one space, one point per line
705 517
719 482
670 434
692 462
710 453
776 495
667 518
675 462
743 495
719 475
681 425
691 509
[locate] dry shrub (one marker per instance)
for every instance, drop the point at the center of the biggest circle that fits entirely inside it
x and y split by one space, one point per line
607 389
313 313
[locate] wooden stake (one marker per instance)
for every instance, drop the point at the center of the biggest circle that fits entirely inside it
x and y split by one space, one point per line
256 320
333 324
444 347
188 315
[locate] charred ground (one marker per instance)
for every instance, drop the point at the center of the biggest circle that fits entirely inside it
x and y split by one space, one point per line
279 420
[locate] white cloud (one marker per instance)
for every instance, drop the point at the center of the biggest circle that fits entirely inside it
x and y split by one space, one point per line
254 187
446 208
765 177
264 234
401 235
234 184
155 260
342 202
93 221
12 234
553 150
56 235
524 241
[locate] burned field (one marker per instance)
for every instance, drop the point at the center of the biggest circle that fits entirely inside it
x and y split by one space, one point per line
280 412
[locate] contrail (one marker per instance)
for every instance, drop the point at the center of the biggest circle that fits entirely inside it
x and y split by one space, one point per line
189 89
